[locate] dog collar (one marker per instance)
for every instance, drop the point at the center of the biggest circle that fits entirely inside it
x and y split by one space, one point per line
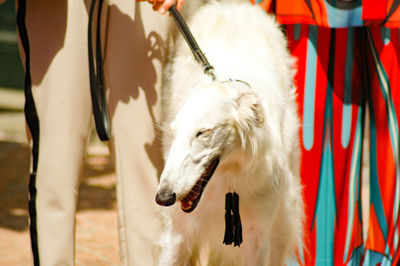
237 80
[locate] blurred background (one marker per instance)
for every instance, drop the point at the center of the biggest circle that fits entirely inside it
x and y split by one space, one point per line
96 230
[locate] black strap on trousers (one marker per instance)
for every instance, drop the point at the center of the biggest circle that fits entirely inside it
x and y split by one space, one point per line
32 120
97 85
98 100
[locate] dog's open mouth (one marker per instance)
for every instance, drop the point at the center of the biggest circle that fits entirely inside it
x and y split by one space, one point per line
190 201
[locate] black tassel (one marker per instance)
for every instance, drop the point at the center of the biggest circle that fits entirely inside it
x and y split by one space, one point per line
228 237
237 224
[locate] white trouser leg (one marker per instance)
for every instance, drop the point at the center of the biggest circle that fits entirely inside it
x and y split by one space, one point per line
136 45
59 71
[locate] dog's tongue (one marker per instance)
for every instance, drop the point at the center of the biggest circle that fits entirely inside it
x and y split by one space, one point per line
186 204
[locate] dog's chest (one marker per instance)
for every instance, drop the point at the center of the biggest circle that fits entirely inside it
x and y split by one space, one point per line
210 213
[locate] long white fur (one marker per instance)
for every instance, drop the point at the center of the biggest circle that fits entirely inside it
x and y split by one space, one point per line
254 131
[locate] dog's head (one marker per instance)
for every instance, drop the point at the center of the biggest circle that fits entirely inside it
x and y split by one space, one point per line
213 121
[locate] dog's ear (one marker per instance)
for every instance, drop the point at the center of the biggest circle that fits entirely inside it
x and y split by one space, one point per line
249 110
249 116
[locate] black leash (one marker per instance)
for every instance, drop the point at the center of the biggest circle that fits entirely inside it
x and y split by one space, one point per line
198 54
233 224
97 84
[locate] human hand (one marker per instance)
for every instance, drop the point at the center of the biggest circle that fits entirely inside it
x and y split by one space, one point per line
163 5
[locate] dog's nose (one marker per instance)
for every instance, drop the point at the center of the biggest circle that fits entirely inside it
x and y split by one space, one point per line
165 198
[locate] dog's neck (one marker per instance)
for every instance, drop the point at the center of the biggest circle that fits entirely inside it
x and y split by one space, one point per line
237 166
236 162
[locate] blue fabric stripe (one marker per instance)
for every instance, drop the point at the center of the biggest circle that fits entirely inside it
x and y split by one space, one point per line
326 209
326 199
385 35
375 192
354 185
372 258
392 125
340 18
356 257
309 87
347 107
296 31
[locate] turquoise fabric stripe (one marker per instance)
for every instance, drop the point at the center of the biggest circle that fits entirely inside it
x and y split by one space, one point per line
340 18
326 199
392 125
375 192
356 257
309 87
326 209
354 184
385 35
373 258
296 31
347 107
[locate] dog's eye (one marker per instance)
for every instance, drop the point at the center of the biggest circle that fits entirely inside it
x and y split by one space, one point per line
203 133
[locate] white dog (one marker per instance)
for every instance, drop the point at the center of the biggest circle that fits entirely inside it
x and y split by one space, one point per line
247 132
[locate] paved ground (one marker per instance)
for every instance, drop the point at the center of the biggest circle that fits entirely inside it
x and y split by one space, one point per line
96 221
